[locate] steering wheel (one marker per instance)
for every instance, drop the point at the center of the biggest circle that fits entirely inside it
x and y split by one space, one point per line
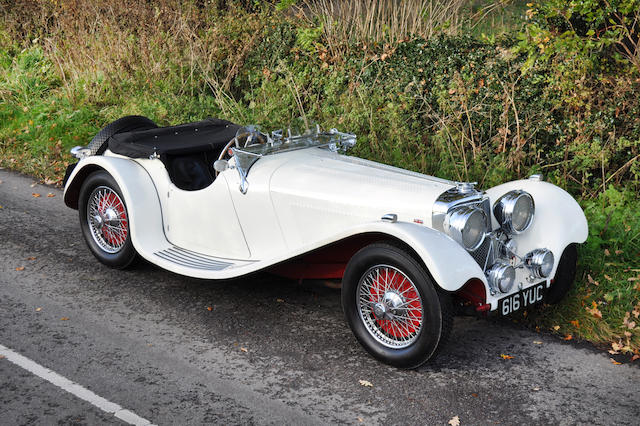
241 140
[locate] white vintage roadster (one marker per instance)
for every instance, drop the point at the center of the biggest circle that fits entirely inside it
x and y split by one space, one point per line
215 200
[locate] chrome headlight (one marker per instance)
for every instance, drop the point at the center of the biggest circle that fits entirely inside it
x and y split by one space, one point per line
514 211
466 225
501 276
539 262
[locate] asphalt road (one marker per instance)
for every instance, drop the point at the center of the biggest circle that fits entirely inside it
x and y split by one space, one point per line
270 351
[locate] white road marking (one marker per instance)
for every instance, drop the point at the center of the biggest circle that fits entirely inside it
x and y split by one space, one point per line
73 388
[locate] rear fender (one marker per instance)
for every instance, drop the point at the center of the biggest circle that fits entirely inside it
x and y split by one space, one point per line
138 190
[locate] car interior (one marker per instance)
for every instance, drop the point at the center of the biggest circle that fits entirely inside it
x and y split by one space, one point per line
188 151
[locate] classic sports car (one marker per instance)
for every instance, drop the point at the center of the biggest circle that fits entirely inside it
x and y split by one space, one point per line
216 200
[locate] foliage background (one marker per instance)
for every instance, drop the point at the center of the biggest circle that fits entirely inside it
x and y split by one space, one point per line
467 90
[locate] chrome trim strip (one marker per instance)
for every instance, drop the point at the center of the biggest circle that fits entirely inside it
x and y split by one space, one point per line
191 260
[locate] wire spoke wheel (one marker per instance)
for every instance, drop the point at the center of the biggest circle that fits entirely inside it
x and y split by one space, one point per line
390 306
107 219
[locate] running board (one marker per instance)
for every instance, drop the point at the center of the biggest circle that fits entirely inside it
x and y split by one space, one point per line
189 259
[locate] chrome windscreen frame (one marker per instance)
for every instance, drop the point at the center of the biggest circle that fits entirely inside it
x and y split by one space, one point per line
245 157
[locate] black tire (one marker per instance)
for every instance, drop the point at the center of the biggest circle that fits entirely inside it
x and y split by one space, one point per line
437 312
565 275
125 124
119 254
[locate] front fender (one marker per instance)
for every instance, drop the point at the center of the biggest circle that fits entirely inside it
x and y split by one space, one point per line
139 192
558 220
449 264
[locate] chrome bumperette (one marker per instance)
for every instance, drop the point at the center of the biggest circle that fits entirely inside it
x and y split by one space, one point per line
80 152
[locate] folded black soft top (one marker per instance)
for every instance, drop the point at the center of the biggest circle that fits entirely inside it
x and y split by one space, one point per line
189 138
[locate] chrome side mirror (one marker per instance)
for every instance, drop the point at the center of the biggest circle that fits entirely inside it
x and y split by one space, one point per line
220 165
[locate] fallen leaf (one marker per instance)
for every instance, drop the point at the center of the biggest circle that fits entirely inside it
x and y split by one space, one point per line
594 311
455 421
366 383
280 300
608 277
631 325
1 356
635 357
34 184
31 258
575 323
503 356
591 280
51 195
556 327
537 342
360 419
244 349
38 309
64 319
614 362
209 308
536 389
20 268
633 279
1 207
35 195
568 337
606 252
619 251
475 395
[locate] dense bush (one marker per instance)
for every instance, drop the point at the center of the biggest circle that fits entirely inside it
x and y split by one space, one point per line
562 97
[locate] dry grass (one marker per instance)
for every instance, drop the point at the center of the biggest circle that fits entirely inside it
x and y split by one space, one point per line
136 41
349 21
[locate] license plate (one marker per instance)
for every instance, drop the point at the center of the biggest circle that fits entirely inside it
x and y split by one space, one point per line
524 298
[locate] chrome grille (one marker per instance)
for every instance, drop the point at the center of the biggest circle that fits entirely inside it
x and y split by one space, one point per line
481 253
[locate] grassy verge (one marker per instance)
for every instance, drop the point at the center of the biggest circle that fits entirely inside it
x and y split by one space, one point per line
482 105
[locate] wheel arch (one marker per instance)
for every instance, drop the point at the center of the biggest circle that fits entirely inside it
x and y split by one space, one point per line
139 192
77 178
446 262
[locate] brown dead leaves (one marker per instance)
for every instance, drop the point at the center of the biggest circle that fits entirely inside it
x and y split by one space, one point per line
503 356
35 195
593 310
455 421
365 383
626 321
